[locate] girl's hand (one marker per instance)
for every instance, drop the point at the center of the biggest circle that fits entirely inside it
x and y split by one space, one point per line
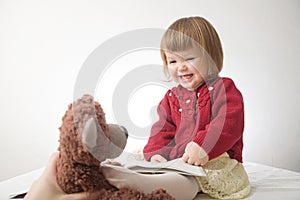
47 188
158 158
195 155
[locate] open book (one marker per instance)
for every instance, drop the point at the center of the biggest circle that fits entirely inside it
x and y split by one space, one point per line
177 165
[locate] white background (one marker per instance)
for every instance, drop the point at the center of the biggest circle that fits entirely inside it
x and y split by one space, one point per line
44 43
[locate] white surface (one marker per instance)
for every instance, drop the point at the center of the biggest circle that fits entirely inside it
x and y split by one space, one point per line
18 184
266 183
44 44
270 183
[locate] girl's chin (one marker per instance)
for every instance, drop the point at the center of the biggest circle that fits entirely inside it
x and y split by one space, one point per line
190 86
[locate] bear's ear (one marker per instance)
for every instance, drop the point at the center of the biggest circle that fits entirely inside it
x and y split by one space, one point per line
118 135
89 133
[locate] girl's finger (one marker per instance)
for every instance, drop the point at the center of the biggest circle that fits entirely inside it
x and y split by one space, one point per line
162 159
190 161
185 157
197 163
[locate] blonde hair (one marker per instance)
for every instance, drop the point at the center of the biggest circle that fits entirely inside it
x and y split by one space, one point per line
189 32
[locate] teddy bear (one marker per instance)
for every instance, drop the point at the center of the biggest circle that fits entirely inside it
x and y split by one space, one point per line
85 141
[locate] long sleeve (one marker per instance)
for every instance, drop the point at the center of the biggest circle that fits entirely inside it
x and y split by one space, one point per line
163 131
225 130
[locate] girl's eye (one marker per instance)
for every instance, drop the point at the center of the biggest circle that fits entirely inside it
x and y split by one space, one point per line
189 59
172 61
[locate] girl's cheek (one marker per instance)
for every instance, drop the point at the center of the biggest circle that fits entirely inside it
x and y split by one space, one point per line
173 73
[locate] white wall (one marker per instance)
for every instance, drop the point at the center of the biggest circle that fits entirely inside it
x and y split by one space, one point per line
44 44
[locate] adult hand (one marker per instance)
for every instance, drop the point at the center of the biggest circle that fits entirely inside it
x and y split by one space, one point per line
158 158
47 188
195 155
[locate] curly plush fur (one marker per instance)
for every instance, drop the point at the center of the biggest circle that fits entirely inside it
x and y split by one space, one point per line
77 168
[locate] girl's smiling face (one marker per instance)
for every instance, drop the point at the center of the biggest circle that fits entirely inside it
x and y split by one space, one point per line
187 68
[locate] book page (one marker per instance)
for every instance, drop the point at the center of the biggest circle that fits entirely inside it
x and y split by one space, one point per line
177 165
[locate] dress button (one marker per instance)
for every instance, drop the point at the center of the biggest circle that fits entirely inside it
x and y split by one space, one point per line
170 94
210 88
180 109
188 101
198 94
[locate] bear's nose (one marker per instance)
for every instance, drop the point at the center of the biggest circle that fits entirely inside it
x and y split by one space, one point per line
125 131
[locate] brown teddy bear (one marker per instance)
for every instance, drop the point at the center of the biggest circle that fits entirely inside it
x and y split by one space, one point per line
85 141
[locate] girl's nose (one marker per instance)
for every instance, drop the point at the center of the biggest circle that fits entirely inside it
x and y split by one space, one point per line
181 67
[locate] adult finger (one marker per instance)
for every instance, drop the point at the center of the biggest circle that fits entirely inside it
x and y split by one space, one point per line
50 169
83 196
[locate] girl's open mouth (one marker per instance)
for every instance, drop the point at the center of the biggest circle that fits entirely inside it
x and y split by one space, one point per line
186 77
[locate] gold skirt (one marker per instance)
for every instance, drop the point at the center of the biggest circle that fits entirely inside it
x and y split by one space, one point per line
225 178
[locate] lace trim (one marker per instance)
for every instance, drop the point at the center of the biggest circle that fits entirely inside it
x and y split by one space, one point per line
225 179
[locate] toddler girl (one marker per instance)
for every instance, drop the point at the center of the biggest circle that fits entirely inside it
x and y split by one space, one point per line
201 120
